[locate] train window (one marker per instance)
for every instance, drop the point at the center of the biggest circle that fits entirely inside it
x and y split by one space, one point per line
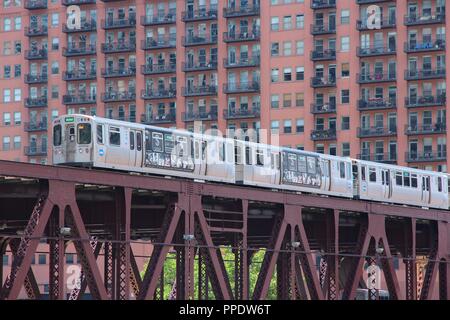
181 146
414 180
311 165
203 150
248 159
157 142
372 174
100 133
84 133
388 177
439 183
292 162
342 169
427 183
398 178
363 173
221 151
131 140
349 170
138 141
406 179
168 142
383 181
259 157
57 131
114 136
301 163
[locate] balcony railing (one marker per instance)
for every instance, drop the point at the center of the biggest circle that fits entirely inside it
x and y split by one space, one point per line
117 73
117 47
77 2
79 49
248 62
322 55
36 54
321 135
323 82
129 22
242 87
323 108
36 78
379 157
199 15
371 1
70 99
199 66
361 25
439 127
424 74
414 20
40 102
376 132
426 156
425 101
167 41
195 91
199 40
376 77
200 116
318 29
36 150
79 75
35 4
148 94
376 104
243 36
323 4
118 96
375 51
244 11
412 47
241 113
158 118
85 26
158 68
35 126
35 31
168 18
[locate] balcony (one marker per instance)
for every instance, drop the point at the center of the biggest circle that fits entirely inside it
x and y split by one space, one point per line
169 18
79 75
150 69
36 31
36 54
247 62
230 114
119 96
320 29
379 157
425 74
415 20
244 11
376 77
376 104
323 82
437 128
79 49
375 51
243 36
376 132
160 118
35 4
129 22
429 46
168 41
158 94
35 126
371 1
118 47
199 15
426 156
118 73
85 26
200 116
191 41
35 150
71 99
36 78
323 135
323 108
199 66
425 101
384 24
323 55
77 2
197 91
40 102
323 4
243 87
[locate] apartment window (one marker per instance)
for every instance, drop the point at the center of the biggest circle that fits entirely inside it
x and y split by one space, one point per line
287 100
55 114
6 95
17 47
300 147
274 23
55 67
17 118
17 142
55 19
299 99
287 23
300 73
287 74
345 16
70 258
320 148
17 70
7 24
345 123
42 259
274 101
5 260
345 70
55 92
55 43
300 126
275 49
345 149
287 126
300 21
17 94
7 71
300 48
6 118
274 126
345 44
6 143
7 48
345 96
287 48
274 75
17 23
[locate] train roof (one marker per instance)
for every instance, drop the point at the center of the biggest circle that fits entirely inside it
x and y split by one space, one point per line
396 167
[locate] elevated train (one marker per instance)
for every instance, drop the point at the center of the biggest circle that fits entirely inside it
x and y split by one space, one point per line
81 140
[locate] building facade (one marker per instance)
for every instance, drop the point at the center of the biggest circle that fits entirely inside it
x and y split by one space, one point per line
323 74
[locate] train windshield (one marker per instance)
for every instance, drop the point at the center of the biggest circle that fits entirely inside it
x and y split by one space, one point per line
84 133
57 135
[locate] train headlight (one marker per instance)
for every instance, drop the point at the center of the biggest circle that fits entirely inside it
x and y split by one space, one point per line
80 150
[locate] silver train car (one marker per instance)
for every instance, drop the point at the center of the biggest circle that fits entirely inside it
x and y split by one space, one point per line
81 140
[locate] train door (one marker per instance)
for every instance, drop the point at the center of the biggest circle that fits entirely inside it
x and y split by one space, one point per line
363 177
135 146
386 183
200 156
71 143
325 168
425 189
275 166
239 161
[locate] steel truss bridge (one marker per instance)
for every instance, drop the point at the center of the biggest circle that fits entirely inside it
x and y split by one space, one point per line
195 223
